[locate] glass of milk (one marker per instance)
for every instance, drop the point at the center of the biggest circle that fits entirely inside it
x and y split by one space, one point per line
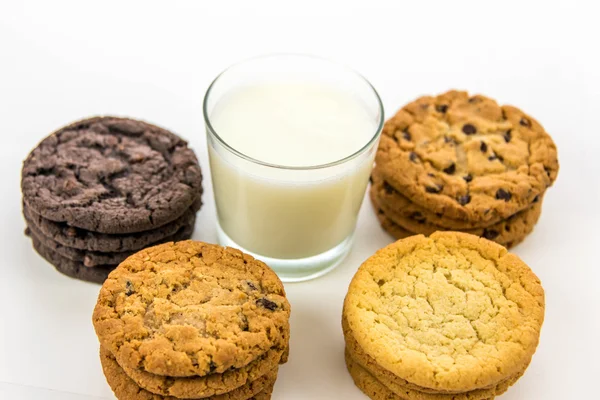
291 141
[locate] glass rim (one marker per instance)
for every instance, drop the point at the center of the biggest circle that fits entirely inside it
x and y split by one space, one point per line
343 160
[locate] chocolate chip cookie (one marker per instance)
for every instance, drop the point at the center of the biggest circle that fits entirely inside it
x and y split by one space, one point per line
126 389
507 232
111 175
191 309
386 193
387 224
450 313
466 157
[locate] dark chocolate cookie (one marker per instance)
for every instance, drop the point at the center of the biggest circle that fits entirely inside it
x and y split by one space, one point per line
72 268
95 258
82 239
77 269
111 175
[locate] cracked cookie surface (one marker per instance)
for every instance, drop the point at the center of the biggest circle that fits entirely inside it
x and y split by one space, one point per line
467 157
126 389
111 175
191 309
452 312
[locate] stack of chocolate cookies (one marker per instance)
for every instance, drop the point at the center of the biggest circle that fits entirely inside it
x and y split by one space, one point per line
191 320
98 190
462 163
448 317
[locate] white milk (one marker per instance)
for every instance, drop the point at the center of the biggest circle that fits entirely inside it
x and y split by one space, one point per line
282 213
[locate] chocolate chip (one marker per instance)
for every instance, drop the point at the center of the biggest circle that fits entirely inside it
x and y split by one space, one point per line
469 129
507 136
413 157
417 216
251 285
468 178
129 289
388 188
406 135
268 304
450 169
483 147
525 122
212 366
507 228
493 157
441 108
490 234
502 194
464 200
536 199
434 189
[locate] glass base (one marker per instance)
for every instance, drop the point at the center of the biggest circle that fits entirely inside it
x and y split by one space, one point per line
296 270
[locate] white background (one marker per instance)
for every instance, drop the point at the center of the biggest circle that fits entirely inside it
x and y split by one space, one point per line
61 61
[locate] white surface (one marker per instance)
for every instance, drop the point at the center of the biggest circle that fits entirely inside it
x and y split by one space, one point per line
61 61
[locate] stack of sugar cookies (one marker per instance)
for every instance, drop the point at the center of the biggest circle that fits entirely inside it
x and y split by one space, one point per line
190 320
98 190
461 163
448 317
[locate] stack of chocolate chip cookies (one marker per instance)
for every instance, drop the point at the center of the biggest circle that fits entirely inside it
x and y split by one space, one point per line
448 317
462 163
191 320
98 190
